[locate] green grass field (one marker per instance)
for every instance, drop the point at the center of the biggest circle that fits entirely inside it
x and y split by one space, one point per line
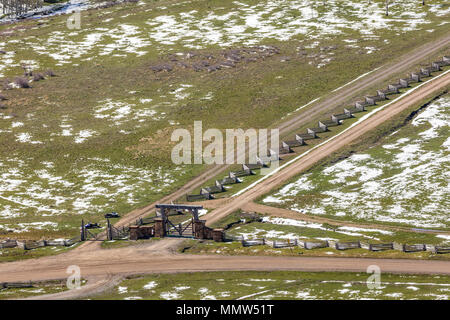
15 254
96 137
37 289
278 285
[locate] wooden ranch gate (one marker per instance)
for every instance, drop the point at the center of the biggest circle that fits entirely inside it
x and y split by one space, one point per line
165 227
86 234
113 233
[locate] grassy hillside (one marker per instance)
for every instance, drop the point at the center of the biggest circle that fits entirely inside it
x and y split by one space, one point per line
96 137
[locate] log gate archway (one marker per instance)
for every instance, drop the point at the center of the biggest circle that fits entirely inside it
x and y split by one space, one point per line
164 226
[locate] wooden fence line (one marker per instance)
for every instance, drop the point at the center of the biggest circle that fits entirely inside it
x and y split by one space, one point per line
342 245
29 245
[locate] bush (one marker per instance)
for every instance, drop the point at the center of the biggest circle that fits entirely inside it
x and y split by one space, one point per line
27 72
22 82
50 73
6 83
38 77
2 97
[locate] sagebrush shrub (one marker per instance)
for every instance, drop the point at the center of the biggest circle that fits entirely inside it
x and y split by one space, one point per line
22 82
6 83
38 77
50 73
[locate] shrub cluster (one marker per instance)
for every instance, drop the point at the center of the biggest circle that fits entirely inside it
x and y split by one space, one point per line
22 82
38 77
50 73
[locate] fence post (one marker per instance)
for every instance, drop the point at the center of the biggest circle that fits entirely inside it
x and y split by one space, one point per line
83 232
108 230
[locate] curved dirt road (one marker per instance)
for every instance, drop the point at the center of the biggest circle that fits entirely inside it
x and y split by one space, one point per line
152 259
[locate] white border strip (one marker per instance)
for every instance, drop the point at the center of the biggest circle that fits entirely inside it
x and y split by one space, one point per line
333 137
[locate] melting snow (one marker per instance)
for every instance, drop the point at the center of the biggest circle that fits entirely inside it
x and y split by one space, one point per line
415 178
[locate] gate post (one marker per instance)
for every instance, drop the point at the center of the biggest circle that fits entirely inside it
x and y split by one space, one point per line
109 235
218 235
199 229
160 227
83 231
195 214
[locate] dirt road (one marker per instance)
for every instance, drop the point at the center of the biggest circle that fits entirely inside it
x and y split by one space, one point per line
154 259
327 149
401 64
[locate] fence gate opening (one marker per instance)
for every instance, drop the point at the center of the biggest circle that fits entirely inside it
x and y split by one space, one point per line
165 226
113 233
86 234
